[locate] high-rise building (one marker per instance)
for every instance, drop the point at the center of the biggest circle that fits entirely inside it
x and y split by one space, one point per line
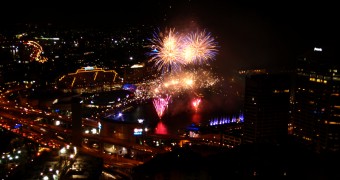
316 100
266 108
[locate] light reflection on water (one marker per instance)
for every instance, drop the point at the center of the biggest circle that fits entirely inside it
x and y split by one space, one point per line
173 121
161 128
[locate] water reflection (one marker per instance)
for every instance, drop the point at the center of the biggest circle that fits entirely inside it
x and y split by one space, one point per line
175 119
161 128
196 118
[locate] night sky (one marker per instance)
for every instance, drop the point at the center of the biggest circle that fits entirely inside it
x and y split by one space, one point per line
252 34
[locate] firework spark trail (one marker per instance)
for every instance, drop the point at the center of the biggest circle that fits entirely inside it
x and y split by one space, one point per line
160 105
179 83
190 80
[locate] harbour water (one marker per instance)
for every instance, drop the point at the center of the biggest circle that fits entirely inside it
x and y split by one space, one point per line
177 116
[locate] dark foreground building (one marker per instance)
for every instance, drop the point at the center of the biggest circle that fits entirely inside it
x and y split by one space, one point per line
316 115
247 161
266 108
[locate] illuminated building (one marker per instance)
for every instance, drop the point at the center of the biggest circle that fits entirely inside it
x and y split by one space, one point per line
316 113
136 73
252 71
89 79
266 108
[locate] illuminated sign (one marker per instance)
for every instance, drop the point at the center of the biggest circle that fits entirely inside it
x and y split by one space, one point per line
140 121
89 68
137 131
317 49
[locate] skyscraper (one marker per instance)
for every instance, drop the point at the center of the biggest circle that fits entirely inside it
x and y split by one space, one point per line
266 108
316 102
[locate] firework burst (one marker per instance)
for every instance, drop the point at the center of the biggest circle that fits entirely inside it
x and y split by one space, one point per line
195 103
172 50
166 51
160 105
199 47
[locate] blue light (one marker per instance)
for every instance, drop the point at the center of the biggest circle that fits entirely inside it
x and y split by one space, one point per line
192 127
17 126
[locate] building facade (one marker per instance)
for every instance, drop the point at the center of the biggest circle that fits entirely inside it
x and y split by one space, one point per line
89 79
266 108
316 100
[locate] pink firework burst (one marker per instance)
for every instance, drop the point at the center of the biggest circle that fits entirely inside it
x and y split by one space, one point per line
160 105
195 103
